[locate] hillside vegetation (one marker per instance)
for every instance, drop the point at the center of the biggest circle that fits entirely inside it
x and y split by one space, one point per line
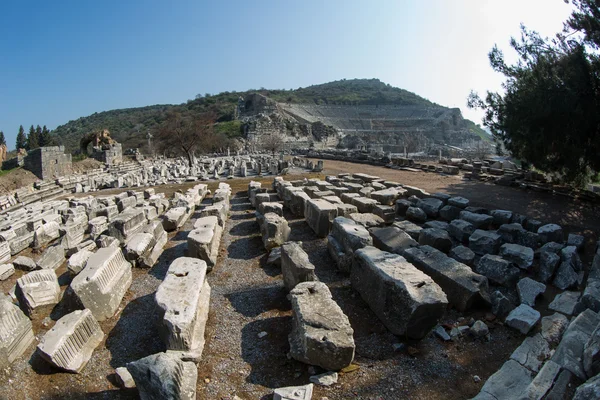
130 126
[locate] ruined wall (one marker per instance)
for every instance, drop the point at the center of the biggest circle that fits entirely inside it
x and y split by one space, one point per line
111 155
49 162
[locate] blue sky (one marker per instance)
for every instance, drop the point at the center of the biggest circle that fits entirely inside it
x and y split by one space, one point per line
61 60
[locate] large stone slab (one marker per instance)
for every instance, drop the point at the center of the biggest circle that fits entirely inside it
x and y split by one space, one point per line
521 256
71 341
406 300
127 223
174 218
321 333
485 242
37 289
52 258
295 265
392 239
274 229
15 332
184 298
346 237
479 221
507 383
204 240
138 246
498 270
103 283
164 376
463 287
319 215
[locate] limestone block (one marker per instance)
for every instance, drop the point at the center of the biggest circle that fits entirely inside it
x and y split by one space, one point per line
71 341
108 241
138 246
97 226
392 239
589 390
566 277
174 218
346 237
295 265
463 255
509 380
501 217
436 238
6 271
45 234
416 214
565 303
386 197
548 263
126 202
406 300
412 229
463 287
127 223
368 220
529 290
78 261
498 270
523 318
219 210
532 353
103 283
364 204
274 230
431 206
479 221
37 289
183 298
319 216
294 393
591 354
321 332
484 242
204 240
164 376
4 250
52 258
519 255
15 332
24 263
386 213
449 213
551 233
267 207
458 201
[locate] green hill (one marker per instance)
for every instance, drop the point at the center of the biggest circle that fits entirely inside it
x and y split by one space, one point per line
129 126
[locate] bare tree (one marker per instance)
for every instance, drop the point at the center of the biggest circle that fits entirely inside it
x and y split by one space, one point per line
414 142
272 142
185 134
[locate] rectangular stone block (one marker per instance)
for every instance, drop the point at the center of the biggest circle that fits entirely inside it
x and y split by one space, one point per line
204 240
37 289
71 341
406 300
319 215
183 298
346 237
127 223
295 265
103 283
16 334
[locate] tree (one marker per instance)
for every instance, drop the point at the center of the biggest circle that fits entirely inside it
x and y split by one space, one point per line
32 139
45 138
2 139
549 113
272 142
21 142
185 134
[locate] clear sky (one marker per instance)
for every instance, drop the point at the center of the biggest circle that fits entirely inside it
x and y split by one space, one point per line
61 60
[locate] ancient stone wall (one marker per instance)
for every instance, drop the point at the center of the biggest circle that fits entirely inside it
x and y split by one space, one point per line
49 162
111 155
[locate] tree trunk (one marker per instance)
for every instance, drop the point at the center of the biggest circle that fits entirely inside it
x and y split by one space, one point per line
190 158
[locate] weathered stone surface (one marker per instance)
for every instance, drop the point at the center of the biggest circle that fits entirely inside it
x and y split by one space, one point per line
275 257
479 329
565 302
449 213
569 353
52 258
514 233
458 201
551 233
386 213
436 238
402 206
267 207
519 255
461 230
321 333
45 234
463 287
591 354
548 264
590 390
501 305
532 353
498 270
295 265
36 289
529 290
392 239
553 327
97 226
15 332
407 301
576 240
364 204
431 206
204 240
124 378
103 283
523 318
591 295
344 210
463 255
174 218
416 214
183 299
543 382
501 217
412 229
319 216
552 247
298 203
484 242
569 254
164 376
326 379
127 223
509 380
139 245
479 221
368 220
294 393
219 210
386 196
24 263
566 277
346 237
274 230
6 271
4 250
437 225
78 261
71 341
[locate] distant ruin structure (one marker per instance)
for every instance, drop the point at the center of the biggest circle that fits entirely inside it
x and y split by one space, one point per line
48 162
3 152
104 148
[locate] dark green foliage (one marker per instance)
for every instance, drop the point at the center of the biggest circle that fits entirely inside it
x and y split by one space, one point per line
2 139
549 115
21 142
45 139
32 139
